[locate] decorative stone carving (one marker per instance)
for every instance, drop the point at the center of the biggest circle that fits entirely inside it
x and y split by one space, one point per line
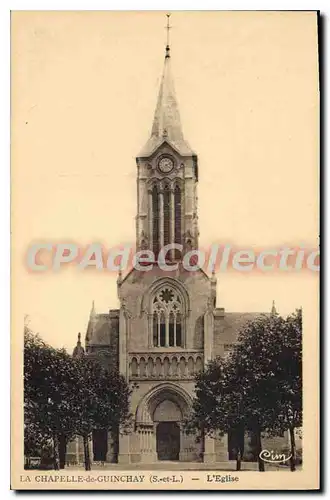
165 365
123 306
144 241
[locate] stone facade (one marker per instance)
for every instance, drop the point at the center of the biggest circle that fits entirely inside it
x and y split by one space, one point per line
168 325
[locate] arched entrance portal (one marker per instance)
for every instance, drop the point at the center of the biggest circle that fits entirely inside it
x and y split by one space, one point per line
168 441
167 418
159 418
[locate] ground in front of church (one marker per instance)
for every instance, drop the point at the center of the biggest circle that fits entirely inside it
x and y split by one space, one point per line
184 466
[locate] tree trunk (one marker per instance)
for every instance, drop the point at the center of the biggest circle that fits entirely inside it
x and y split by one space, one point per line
238 459
259 449
62 442
55 449
240 447
86 453
293 450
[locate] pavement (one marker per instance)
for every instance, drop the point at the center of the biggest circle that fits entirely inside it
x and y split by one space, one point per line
182 466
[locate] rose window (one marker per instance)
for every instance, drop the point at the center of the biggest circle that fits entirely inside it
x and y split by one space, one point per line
166 295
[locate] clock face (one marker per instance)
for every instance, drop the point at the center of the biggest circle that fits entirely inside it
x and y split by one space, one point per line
165 164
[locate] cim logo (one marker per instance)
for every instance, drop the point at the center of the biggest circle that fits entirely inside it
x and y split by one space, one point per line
273 457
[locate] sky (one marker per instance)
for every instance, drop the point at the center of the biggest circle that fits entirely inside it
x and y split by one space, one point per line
84 89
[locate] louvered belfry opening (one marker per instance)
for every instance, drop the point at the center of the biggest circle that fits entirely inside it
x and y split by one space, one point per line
166 219
177 217
155 221
167 227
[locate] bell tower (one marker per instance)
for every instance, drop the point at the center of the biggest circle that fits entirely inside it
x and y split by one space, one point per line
167 176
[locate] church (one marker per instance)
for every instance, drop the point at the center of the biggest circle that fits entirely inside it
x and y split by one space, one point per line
168 325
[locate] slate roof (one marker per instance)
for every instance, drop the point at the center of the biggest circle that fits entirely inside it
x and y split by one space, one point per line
167 122
101 328
236 320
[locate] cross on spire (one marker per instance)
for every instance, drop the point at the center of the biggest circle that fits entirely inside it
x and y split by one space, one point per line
168 27
167 124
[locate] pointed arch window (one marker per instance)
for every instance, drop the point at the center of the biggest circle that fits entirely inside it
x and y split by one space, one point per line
155 329
167 319
162 329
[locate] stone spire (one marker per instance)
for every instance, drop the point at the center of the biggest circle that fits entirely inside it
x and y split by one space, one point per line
91 324
119 278
78 351
167 122
92 313
273 311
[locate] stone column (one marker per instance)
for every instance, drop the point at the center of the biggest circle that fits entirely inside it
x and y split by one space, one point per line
186 373
183 453
81 450
124 454
172 219
174 329
150 220
77 450
161 219
167 334
72 452
123 342
154 441
222 449
141 433
110 451
209 449
249 447
208 335
147 444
